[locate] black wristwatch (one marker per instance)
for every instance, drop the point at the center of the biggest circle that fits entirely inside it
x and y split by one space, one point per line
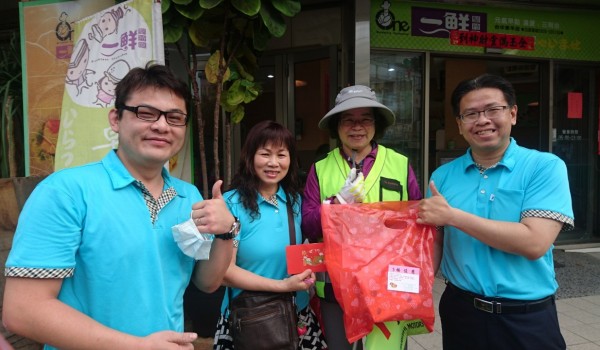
235 229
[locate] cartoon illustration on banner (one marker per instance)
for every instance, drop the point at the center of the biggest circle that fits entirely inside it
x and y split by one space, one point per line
47 42
108 45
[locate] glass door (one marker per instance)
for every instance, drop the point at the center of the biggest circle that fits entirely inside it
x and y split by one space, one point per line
298 90
575 139
397 79
312 83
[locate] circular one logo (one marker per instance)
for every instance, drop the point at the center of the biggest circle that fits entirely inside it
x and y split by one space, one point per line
384 19
63 31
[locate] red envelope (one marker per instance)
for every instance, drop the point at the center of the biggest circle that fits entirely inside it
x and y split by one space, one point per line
305 256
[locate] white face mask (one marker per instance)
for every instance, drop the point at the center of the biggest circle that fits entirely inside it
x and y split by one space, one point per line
193 243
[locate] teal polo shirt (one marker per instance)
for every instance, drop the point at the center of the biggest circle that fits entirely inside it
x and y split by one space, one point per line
262 241
91 225
525 183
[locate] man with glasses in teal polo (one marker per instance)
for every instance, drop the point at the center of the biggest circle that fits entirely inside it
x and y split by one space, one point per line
94 264
498 209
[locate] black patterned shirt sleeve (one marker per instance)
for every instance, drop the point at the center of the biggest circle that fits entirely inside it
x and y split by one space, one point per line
569 223
38 272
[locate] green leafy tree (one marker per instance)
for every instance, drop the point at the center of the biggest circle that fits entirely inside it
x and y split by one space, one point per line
234 32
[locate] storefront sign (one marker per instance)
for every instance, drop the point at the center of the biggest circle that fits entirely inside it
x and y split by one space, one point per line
492 40
472 29
438 23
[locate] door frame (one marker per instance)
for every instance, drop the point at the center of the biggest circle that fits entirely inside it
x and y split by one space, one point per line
284 75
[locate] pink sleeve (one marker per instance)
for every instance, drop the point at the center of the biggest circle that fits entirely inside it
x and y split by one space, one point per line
414 191
311 208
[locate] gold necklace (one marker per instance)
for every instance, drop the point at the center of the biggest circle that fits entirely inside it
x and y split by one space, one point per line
483 168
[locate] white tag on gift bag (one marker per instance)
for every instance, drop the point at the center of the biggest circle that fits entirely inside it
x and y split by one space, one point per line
403 278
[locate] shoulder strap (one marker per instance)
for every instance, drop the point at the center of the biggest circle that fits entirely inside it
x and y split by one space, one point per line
292 227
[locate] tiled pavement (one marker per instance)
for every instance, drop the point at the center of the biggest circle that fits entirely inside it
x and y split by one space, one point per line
579 320
579 317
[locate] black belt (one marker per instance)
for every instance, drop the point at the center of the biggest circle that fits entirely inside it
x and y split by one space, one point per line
502 305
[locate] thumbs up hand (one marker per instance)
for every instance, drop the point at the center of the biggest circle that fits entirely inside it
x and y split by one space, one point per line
433 189
212 215
434 210
216 190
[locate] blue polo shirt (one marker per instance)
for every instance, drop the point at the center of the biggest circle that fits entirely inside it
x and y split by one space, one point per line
262 241
525 183
92 221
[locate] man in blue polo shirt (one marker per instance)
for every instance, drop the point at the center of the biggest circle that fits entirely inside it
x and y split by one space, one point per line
94 264
499 208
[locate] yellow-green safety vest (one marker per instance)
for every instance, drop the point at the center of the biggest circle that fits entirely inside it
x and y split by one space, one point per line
387 181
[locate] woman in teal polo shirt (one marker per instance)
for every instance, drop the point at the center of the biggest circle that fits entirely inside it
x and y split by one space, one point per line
267 178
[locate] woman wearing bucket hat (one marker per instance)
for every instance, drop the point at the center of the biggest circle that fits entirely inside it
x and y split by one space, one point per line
359 170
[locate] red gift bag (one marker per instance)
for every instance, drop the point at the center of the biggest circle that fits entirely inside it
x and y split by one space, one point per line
380 262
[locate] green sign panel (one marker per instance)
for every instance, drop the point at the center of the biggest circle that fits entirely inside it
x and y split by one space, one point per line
475 29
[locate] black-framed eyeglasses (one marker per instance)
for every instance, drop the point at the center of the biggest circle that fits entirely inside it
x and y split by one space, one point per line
151 114
362 122
490 113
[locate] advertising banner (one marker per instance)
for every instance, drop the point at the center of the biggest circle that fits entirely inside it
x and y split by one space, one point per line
47 41
106 46
478 29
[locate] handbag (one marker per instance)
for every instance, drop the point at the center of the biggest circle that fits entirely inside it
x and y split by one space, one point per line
265 320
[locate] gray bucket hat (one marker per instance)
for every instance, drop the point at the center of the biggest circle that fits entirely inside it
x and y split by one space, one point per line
357 96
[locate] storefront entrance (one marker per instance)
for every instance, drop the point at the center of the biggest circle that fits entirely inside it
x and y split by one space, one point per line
575 137
447 72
